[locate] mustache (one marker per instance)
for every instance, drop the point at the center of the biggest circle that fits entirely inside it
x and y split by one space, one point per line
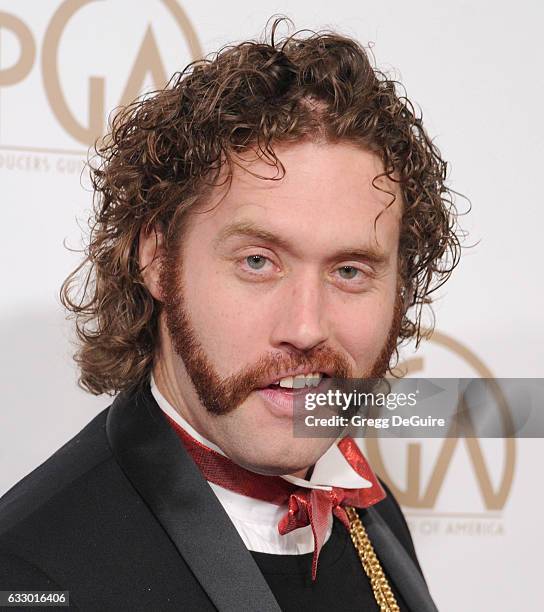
319 361
236 388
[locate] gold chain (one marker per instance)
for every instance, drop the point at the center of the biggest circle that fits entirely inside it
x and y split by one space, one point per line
382 591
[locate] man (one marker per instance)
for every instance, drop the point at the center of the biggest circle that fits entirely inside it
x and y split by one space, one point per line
262 224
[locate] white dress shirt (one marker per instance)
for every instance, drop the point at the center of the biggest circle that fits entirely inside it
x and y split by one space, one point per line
257 521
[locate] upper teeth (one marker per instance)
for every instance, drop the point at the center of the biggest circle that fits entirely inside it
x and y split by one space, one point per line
300 380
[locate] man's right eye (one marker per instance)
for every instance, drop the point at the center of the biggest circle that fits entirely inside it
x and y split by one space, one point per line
257 267
256 262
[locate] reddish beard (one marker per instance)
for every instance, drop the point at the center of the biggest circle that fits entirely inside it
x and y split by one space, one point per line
223 395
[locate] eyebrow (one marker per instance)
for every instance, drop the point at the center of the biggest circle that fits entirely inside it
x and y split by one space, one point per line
250 230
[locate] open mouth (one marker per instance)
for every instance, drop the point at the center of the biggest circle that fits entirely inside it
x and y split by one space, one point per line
297 385
285 397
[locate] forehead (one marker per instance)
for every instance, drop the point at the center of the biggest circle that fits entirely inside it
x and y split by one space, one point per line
329 193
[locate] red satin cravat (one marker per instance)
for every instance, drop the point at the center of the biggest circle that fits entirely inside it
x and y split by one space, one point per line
304 506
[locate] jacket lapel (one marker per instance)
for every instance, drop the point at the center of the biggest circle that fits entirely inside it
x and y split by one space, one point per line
156 463
399 566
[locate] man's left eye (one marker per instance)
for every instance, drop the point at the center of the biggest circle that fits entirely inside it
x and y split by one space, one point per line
348 272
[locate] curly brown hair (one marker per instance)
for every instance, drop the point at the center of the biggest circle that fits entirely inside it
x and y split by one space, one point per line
165 150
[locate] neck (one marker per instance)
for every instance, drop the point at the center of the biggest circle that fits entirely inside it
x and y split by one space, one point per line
167 386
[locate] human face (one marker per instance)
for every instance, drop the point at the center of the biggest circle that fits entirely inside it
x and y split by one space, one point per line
280 277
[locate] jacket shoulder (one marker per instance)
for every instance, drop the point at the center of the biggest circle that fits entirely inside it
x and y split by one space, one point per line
79 456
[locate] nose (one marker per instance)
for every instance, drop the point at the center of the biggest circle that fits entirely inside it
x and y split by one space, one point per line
301 322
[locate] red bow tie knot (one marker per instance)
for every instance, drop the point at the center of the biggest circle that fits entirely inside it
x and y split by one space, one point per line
305 506
314 507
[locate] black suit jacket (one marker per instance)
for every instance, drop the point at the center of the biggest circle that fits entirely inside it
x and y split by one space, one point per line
122 518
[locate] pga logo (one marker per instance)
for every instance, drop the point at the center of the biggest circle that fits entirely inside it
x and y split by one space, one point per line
85 125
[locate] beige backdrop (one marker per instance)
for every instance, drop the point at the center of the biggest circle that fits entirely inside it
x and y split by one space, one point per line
474 68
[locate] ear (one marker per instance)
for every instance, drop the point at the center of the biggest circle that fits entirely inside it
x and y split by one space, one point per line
150 253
